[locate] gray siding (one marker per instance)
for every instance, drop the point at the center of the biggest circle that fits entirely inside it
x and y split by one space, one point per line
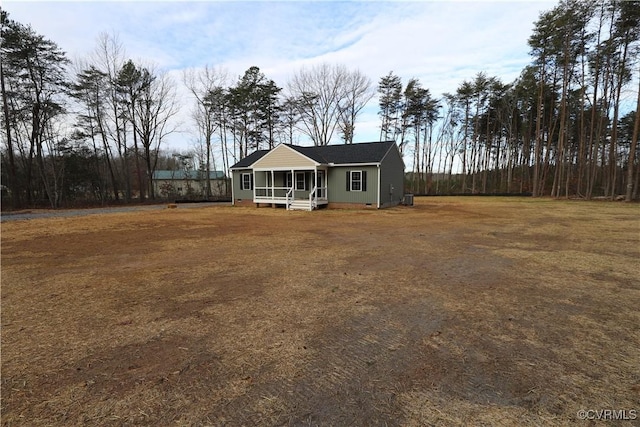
387 189
391 179
239 194
337 187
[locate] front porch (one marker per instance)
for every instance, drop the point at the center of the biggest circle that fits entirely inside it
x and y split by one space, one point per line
304 189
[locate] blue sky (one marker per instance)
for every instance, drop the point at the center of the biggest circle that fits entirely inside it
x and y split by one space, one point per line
441 42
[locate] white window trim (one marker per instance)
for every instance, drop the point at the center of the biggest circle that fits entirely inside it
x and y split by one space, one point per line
351 180
242 182
304 181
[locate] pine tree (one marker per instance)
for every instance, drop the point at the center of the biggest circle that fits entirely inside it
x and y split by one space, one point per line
390 101
33 91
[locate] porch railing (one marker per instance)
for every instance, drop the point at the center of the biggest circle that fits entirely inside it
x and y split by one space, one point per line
313 198
322 193
271 193
317 193
289 195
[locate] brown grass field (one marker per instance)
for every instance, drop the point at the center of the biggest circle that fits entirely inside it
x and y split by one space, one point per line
457 311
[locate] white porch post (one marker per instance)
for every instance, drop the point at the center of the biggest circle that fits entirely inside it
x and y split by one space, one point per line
379 189
233 198
293 184
273 194
315 182
326 184
253 186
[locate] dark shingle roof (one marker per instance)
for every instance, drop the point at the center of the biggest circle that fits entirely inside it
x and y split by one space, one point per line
367 152
250 159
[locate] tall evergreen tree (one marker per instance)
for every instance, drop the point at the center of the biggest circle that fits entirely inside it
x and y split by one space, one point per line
131 83
390 101
34 86
253 103
88 90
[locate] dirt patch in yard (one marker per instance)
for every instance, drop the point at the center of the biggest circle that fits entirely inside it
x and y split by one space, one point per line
457 311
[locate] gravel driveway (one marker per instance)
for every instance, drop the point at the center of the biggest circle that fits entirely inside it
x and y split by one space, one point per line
62 213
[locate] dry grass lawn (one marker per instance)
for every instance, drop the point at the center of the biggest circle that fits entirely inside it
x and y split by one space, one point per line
457 311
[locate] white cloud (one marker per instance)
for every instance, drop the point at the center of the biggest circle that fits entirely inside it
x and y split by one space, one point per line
440 42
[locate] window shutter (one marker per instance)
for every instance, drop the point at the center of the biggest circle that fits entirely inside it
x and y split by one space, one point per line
364 180
348 180
251 182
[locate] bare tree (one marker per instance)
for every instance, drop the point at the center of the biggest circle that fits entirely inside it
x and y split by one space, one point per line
155 107
290 118
320 92
358 91
204 84
108 59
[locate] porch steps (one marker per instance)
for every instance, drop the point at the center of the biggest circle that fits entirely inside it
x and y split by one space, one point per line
300 205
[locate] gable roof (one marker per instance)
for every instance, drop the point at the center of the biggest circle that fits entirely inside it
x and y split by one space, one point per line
284 155
365 152
250 159
182 174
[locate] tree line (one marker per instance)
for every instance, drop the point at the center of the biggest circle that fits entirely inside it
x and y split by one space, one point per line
93 131
568 126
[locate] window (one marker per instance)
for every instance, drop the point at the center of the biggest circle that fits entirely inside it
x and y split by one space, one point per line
288 180
301 182
247 182
356 180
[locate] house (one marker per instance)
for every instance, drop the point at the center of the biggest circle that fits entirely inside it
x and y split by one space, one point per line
188 183
349 175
